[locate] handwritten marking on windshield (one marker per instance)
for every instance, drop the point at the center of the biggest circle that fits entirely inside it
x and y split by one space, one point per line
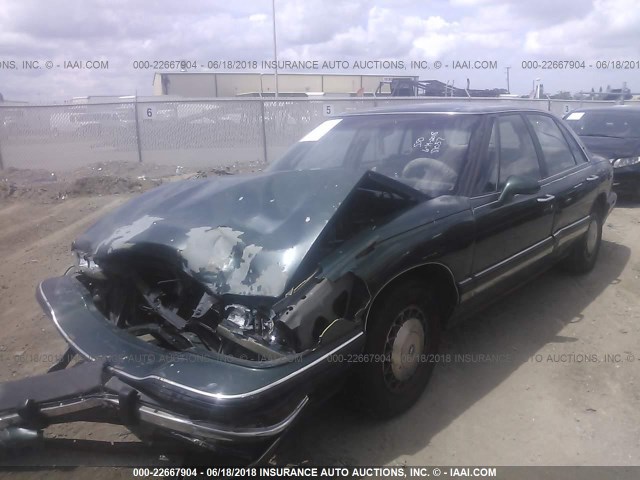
431 146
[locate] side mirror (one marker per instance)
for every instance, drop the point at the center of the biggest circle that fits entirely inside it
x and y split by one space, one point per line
518 185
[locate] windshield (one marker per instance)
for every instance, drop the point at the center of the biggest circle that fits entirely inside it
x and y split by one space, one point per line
622 124
425 151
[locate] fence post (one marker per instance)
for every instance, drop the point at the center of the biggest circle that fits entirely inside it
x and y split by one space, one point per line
137 130
1 128
264 132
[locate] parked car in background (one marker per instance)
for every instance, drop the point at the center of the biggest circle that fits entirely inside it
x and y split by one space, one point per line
614 133
88 123
214 311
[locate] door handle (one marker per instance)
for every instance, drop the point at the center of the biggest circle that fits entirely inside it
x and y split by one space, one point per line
546 198
591 178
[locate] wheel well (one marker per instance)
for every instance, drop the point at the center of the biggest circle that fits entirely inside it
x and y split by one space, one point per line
432 275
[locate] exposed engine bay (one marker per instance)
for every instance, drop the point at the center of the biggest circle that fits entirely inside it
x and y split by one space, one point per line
173 311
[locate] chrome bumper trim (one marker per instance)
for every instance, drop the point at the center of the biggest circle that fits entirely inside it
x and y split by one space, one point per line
166 420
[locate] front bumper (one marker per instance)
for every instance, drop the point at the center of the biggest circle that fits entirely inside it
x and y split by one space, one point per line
207 402
626 180
88 393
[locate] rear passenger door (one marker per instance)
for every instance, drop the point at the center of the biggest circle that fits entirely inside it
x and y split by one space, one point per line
568 176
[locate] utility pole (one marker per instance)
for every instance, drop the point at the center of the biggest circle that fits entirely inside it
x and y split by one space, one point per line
275 45
508 88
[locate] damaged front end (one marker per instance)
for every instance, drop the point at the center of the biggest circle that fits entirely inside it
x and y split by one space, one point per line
167 308
200 312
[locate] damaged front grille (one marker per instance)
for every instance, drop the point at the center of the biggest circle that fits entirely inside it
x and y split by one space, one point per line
164 306
167 308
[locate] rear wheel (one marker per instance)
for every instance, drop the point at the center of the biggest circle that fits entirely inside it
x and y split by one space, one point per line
585 252
402 338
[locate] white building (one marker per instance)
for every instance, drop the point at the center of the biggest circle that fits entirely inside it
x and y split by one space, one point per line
192 84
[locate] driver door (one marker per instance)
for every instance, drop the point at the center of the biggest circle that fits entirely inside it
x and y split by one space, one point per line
514 234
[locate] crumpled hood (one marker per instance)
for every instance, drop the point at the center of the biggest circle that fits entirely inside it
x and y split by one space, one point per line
612 147
243 235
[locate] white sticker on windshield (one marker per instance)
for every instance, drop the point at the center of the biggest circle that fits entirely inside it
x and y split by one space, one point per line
575 116
320 131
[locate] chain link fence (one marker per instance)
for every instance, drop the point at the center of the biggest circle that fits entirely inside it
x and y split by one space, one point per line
198 133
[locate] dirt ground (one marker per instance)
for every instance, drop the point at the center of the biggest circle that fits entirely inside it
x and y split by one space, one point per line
547 376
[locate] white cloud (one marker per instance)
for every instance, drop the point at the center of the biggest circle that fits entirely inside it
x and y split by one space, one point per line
122 31
258 18
611 28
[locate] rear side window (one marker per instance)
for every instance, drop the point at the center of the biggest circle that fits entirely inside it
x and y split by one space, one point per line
578 154
555 149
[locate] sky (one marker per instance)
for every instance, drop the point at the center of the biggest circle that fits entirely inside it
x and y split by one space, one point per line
122 32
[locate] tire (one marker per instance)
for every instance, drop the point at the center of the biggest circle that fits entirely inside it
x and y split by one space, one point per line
584 253
387 385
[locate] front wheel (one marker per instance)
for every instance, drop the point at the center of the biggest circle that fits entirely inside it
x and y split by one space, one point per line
402 337
584 253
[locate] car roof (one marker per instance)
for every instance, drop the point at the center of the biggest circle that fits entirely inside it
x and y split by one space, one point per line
447 107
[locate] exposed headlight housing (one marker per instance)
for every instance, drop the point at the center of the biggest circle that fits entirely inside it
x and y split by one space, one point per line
249 320
81 259
625 162
85 264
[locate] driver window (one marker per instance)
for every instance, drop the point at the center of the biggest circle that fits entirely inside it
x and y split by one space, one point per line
517 154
